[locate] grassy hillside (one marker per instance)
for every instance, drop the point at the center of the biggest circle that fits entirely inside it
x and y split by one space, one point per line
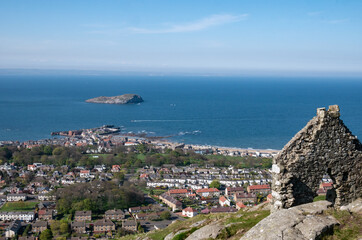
236 224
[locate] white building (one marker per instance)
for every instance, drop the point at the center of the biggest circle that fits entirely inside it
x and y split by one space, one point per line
16 197
11 216
189 212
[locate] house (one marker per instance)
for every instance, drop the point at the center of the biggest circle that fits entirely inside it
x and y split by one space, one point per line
116 168
130 225
104 225
11 216
115 214
13 229
31 167
178 192
148 216
265 189
245 197
83 216
206 192
79 227
223 210
46 197
45 214
189 212
326 186
229 191
16 197
140 209
130 144
100 168
223 201
269 197
173 203
39 226
240 205
205 211
84 173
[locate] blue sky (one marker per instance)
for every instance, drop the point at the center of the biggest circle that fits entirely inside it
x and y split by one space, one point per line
183 36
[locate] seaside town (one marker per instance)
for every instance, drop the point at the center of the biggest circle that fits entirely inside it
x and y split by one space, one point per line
48 199
103 138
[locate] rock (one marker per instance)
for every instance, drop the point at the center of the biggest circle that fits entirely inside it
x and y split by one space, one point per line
293 223
171 235
122 99
196 224
314 207
314 226
206 232
354 207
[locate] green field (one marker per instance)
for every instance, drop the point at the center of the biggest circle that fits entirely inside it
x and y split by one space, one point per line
18 206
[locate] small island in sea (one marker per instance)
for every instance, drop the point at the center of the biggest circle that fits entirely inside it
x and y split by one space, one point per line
121 99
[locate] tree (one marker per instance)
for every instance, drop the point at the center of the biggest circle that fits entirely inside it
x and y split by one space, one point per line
57 151
166 215
46 235
64 227
55 227
215 184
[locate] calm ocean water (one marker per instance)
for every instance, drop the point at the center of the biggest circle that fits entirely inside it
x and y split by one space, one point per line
225 111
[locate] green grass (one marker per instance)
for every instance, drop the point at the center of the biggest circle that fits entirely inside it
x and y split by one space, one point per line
184 235
319 198
141 156
18 206
243 222
350 227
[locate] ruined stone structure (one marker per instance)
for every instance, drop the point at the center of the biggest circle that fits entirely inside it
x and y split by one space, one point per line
323 146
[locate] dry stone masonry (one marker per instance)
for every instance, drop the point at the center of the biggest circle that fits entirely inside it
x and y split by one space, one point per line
323 146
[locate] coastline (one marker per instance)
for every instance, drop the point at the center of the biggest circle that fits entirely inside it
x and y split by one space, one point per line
109 135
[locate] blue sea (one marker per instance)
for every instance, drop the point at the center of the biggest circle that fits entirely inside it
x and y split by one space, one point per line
224 111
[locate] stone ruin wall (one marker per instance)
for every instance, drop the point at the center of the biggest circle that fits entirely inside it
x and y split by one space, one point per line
323 146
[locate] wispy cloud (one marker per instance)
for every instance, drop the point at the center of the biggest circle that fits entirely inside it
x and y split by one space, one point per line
201 24
336 21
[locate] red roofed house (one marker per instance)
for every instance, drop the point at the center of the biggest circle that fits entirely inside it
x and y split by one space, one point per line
259 189
31 167
189 212
116 168
223 201
269 197
323 187
240 205
144 176
206 192
178 192
45 214
326 186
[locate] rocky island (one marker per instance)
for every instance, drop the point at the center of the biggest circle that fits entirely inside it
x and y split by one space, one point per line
121 99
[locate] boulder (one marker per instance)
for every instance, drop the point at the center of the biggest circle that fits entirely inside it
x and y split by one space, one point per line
354 207
303 222
206 232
